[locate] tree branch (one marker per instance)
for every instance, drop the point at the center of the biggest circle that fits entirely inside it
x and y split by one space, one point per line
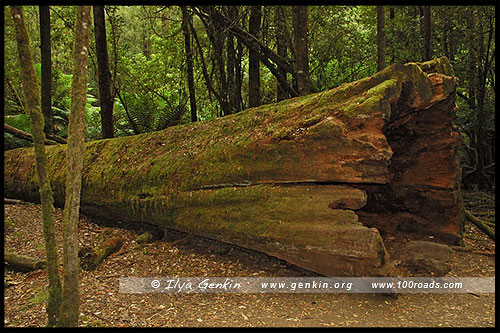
25 135
480 224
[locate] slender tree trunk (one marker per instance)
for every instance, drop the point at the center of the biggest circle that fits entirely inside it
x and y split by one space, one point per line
146 43
32 97
392 15
482 135
231 75
279 18
446 46
476 76
46 61
231 64
216 36
239 73
427 26
105 95
300 18
186 24
74 156
266 55
204 70
253 59
380 38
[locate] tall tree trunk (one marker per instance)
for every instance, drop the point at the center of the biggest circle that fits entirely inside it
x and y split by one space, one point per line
231 75
146 43
253 59
478 62
74 157
446 46
46 61
204 70
105 95
186 24
234 103
32 96
300 18
279 19
392 15
216 36
483 67
266 55
239 73
427 27
380 38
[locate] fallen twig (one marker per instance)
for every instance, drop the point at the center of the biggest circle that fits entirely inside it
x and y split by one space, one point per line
464 249
178 240
13 201
110 276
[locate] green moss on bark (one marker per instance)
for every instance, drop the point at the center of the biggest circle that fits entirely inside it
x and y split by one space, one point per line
39 179
332 136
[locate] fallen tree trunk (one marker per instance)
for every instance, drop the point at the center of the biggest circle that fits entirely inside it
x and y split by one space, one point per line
22 263
90 258
23 135
51 139
289 179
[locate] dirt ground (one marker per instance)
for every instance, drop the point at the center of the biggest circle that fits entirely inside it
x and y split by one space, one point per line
180 255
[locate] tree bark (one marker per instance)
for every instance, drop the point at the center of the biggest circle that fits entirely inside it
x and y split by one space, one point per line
300 19
43 190
253 59
231 65
146 42
22 263
239 74
478 67
74 156
186 24
46 61
105 96
380 38
216 36
295 179
206 76
281 49
90 259
427 25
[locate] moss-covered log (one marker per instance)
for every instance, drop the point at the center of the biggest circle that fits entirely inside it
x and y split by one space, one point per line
290 178
22 263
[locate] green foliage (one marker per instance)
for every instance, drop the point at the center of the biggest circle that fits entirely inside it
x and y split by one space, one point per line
9 223
343 44
41 296
20 121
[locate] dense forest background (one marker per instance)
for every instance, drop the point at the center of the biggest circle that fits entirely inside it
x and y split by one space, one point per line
151 67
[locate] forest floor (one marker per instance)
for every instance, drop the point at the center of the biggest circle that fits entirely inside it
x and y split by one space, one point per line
101 303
